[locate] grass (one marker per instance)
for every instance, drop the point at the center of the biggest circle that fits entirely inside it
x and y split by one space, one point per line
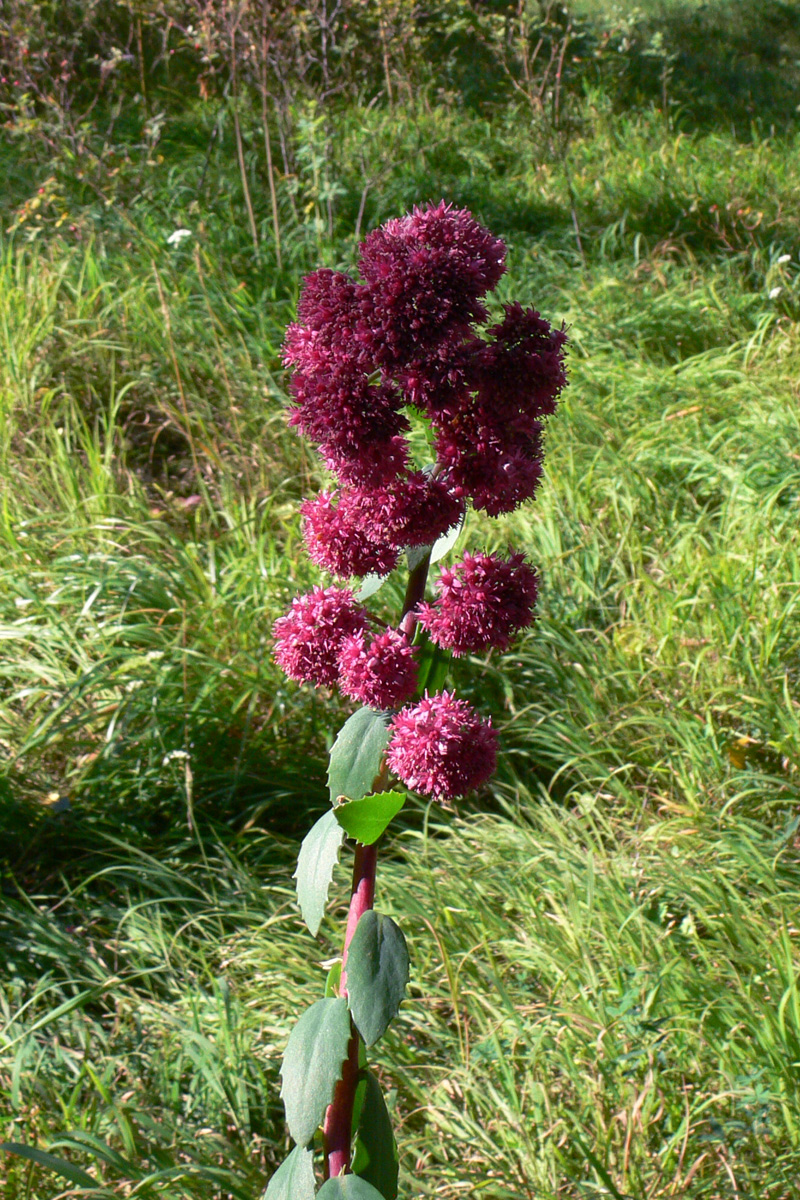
604 997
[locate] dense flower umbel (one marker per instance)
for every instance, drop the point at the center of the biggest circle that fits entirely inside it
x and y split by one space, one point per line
308 638
337 542
411 332
426 273
382 674
483 601
441 747
406 335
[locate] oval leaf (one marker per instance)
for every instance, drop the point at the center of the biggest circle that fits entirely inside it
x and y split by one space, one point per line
366 819
318 856
377 974
348 1187
370 585
294 1178
357 753
375 1156
312 1065
446 542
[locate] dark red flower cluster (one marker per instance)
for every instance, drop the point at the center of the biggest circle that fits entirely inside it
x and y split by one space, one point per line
407 335
442 747
483 601
411 332
382 674
308 639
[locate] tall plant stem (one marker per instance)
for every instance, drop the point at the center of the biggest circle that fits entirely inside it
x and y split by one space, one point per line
339 1117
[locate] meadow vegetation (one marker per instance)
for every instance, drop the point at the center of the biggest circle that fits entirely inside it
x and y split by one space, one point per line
605 960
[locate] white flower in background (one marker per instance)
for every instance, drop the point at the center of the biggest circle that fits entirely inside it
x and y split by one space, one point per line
775 292
178 236
784 258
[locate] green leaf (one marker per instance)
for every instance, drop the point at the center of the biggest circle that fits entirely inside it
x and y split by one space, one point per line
312 1065
366 819
370 585
375 1156
60 1165
348 1187
377 974
294 1178
356 754
416 555
333 978
446 542
318 856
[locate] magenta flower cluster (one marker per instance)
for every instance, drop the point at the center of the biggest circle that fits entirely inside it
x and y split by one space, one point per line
482 601
405 336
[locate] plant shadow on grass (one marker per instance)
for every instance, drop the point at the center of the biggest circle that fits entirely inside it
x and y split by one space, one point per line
726 65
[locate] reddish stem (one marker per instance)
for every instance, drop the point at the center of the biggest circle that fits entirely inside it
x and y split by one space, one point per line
338 1126
339 1117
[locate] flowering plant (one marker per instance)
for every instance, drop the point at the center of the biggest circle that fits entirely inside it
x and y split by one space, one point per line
367 354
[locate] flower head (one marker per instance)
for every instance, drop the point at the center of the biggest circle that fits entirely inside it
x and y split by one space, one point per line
382 674
441 747
522 368
425 274
336 542
329 324
483 601
498 467
339 408
414 510
309 637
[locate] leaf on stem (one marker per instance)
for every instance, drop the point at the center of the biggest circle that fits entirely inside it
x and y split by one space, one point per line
375 1156
294 1178
348 1187
312 1065
367 818
377 974
357 753
318 856
369 586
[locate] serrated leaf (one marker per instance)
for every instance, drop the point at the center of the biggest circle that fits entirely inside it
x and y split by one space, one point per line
312 1065
348 1187
318 856
294 1178
367 818
377 974
61 1167
370 584
356 754
375 1156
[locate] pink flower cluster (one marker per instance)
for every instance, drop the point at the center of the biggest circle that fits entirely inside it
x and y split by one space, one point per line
483 601
324 639
441 747
405 335
362 351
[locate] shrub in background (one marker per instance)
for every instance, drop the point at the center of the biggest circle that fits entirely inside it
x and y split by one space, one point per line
387 369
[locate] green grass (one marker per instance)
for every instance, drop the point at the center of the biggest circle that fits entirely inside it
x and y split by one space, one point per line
604 997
